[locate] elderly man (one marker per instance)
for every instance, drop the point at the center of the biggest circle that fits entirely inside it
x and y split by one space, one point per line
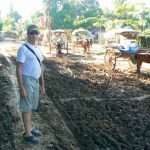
30 78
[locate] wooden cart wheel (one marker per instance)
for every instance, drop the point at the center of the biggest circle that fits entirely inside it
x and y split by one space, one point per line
110 59
67 47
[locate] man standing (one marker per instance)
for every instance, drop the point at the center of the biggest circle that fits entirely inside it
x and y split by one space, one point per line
30 78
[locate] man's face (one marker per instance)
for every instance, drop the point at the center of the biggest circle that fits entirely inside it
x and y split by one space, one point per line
33 36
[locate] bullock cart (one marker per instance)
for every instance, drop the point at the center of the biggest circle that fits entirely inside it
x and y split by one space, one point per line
82 38
59 40
135 55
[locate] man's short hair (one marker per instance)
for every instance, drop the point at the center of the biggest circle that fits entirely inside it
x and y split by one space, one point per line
32 28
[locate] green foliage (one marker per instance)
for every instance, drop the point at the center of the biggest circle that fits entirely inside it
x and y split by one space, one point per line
130 22
126 14
9 24
72 14
146 32
123 10
15 15
145 19
76 14
144 41
85 23
1 25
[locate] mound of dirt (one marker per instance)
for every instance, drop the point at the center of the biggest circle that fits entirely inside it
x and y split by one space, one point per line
86 108
105 110
6 119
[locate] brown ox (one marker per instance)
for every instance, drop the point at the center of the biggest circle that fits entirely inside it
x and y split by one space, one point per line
85 44
142 57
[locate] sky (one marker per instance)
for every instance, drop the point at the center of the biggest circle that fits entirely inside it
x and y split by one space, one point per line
25 8
28 7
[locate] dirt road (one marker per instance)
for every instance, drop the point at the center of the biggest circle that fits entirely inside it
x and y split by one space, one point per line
9 48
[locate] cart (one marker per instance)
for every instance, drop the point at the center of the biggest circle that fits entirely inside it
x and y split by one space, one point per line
59 40
135 56
82 38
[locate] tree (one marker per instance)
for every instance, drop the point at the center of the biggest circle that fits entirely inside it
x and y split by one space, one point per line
1 25
85 23
123 15
124 10
72 14
15 15
9 24
144 19
89 13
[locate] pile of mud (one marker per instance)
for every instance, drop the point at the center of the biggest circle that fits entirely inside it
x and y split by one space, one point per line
87 108
105 110
6 119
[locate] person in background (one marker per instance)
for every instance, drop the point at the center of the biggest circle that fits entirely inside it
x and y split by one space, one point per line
30 81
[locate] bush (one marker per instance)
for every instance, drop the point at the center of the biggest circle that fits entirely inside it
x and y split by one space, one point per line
146 32
144 41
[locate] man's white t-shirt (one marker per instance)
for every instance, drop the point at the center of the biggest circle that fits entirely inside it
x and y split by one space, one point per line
31 66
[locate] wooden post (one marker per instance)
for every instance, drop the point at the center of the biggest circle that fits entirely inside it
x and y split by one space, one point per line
49 25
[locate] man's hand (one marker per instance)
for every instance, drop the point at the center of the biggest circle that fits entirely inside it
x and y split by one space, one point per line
23 92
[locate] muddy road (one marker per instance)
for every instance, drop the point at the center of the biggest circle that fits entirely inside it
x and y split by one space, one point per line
86 107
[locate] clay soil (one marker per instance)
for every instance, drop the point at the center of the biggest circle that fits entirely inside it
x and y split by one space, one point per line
86 107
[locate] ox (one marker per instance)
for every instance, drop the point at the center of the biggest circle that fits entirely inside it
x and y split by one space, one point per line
85 44
142 57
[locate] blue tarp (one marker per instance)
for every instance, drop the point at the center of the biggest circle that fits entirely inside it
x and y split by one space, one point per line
129 50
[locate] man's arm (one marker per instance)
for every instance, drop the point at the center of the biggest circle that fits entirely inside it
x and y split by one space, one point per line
42 84
19 79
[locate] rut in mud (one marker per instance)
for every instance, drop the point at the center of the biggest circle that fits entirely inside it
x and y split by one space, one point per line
86 108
